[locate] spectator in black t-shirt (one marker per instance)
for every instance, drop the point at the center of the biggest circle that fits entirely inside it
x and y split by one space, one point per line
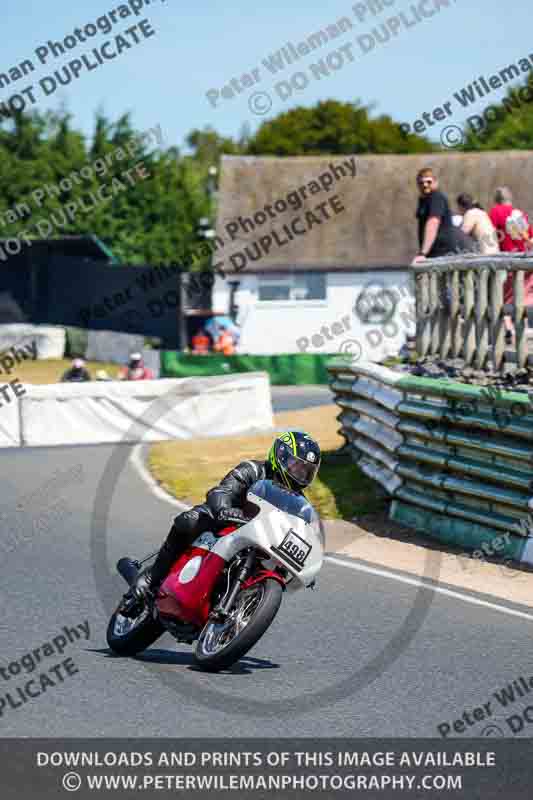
437 235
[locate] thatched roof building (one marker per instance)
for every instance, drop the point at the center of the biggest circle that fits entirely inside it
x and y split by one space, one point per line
377 227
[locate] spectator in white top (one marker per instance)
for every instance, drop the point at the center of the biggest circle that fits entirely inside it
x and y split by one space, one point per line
477 223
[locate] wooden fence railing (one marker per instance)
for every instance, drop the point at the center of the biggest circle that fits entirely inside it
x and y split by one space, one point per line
460 309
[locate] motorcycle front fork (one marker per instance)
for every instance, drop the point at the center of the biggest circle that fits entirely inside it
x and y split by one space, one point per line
220 612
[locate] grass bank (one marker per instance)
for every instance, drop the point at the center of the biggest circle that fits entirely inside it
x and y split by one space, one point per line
188 469
50 370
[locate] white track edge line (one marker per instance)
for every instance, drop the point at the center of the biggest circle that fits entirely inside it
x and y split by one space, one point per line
138 463
144 474
438 589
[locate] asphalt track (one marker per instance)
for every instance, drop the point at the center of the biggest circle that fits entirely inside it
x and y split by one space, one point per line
292 398
364 655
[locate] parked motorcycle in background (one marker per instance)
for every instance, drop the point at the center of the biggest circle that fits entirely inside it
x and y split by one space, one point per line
223 593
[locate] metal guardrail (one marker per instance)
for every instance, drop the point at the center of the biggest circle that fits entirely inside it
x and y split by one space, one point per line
452 468
460 309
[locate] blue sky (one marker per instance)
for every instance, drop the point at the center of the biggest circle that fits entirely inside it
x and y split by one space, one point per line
200 47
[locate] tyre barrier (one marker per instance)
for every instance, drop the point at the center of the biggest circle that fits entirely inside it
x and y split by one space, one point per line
457 463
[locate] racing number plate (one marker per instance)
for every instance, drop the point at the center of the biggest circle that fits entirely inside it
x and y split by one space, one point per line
294 549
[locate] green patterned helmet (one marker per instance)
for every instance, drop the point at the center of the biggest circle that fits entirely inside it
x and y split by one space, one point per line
295 459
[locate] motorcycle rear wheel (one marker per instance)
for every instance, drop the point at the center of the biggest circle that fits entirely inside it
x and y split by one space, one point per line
222 644
127 637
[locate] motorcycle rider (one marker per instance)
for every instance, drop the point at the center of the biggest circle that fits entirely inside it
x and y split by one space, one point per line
293 462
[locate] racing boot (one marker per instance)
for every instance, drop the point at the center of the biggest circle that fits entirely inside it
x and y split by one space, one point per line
148 582
141 593
144 588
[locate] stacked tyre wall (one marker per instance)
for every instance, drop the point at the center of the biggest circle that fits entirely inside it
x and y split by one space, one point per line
457 463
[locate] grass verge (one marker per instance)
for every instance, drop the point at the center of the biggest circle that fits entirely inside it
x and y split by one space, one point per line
50 370
189 469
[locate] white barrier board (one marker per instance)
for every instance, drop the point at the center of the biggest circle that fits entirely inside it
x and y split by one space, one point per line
9 423
115 411
49 340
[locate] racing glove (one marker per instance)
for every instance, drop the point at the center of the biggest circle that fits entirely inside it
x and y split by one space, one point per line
231 516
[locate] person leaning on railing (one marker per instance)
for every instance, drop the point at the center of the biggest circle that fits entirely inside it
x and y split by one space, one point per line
437 235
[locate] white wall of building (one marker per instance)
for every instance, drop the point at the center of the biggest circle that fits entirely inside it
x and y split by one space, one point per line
321 326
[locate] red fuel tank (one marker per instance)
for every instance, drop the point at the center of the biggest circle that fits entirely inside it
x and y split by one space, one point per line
186 592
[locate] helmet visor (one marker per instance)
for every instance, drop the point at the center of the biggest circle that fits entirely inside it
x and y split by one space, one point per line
303 472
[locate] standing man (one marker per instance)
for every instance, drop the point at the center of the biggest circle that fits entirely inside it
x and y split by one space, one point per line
437 236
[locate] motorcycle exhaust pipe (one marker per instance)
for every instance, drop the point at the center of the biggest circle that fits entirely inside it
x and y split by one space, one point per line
128 569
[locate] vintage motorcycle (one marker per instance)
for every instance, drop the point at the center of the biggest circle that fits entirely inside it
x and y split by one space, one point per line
223 593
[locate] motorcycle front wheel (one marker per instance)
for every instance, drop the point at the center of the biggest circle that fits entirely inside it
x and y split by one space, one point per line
127 636
221 644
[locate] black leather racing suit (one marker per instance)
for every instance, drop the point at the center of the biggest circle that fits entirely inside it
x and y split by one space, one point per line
230 493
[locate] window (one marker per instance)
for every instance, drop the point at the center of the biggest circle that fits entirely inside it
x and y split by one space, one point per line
283 286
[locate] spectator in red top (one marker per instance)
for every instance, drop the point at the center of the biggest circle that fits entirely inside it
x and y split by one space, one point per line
135 371
515 235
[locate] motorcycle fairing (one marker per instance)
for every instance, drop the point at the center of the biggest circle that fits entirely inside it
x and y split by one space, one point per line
190 601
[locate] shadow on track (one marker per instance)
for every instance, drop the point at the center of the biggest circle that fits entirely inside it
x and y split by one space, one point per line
246 666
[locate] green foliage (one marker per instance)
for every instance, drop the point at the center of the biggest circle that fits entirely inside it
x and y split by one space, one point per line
156 220
152 221
335 128
207 146
510 126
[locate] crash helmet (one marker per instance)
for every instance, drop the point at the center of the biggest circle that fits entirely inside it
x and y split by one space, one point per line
294 459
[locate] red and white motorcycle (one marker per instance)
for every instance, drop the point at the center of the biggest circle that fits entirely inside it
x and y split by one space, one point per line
225 590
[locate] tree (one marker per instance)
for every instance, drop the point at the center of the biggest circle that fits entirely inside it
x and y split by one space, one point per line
508 126
207 145
150 220
333 128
